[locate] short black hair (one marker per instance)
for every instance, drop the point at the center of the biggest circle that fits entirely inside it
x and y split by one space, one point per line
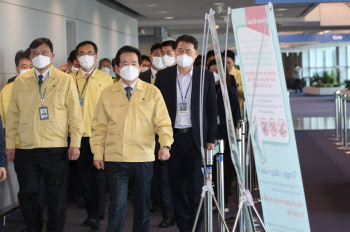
127 49
155 47
21 55
211 63
169 43
210 54
39 41
104 59
230 54
85 43
187 39
198 61
144 57
72 56
113 62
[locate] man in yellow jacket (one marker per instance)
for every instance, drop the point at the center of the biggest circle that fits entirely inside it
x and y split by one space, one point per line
43 109
128 115
90 81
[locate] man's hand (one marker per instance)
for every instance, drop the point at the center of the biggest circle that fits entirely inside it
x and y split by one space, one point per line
210 146
10 154
2 174
73 153
99 164
63 68
163 154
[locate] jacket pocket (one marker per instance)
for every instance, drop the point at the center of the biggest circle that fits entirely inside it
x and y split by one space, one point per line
24 134
56 130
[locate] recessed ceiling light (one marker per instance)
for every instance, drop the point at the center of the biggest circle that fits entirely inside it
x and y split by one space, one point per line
161 12
217 26
168 17
218 3
281 9
279 15
152 5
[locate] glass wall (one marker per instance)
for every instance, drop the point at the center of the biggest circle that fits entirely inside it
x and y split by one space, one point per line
322 59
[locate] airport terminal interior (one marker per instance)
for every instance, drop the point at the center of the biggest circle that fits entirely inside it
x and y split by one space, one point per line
310 52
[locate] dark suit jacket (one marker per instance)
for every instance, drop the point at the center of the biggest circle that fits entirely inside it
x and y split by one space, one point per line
235 110
166 82
12 79
146 76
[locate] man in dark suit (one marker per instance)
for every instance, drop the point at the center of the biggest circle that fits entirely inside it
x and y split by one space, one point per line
180 86
157 64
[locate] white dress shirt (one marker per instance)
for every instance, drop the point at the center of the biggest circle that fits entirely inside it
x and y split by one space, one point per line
83 72
154 73
45 74
133 85
183 121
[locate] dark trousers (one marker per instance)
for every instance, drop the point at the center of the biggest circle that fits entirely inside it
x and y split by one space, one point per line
87 174
186 181
52 165
165 196
298 85
119 175
101 192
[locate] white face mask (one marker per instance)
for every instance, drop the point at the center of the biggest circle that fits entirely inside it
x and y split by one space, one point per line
184 61
144 69
168 60
23 71
157 62
216 77
86 61
129 73
41 61
74 69
106 70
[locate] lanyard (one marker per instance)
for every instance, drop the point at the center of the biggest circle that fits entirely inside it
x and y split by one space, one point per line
81 94
184 99
42 96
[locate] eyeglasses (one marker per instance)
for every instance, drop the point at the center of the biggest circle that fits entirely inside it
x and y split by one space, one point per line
43 52
88 53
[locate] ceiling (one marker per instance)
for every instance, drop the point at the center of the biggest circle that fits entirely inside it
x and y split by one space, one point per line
187 16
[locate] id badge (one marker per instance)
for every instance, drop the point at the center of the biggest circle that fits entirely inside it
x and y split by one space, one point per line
44 113
81 100
183 108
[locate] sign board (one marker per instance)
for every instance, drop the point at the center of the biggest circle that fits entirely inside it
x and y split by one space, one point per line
270 120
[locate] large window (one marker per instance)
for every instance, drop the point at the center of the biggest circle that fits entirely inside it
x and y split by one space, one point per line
322 59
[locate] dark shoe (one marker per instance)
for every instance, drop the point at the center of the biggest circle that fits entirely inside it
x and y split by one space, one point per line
93 223
167 222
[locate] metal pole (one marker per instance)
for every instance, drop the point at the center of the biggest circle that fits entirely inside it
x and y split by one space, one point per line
345 122
220 182
341 120
240 152
208 197
244 171
336 114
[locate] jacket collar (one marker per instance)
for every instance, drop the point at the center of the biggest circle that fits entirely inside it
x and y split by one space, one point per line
140 85
52 73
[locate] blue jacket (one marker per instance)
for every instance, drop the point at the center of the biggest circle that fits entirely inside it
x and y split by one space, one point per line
2 145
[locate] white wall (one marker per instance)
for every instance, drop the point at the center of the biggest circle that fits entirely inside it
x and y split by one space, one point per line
22 21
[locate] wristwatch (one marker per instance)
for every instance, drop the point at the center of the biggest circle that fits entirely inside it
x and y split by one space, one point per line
167 147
